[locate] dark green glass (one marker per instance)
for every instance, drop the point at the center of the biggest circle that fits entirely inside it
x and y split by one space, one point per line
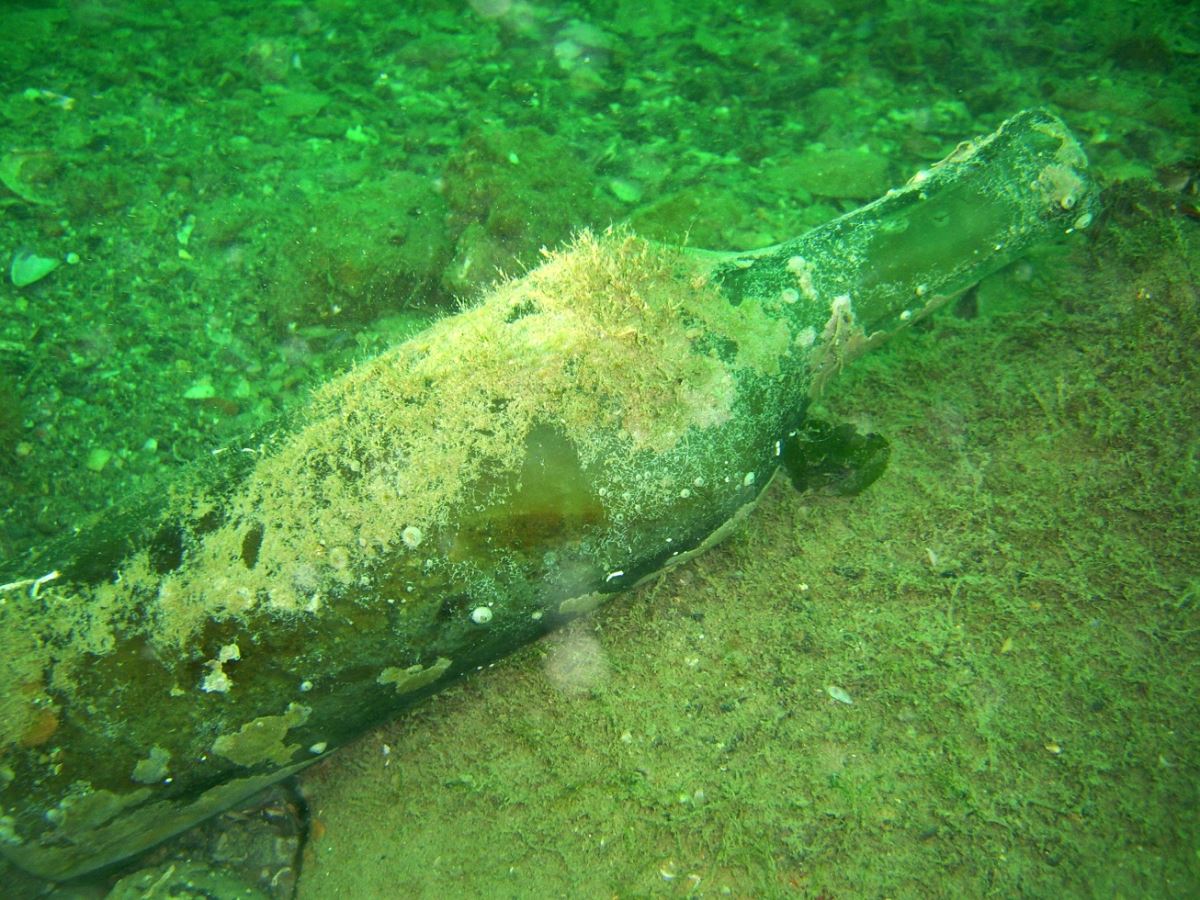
605 417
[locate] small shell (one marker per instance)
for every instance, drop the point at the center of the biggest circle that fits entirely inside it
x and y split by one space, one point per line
27 267
839 694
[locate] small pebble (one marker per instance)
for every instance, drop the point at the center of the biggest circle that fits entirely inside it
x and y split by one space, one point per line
201 390
625 191
98 458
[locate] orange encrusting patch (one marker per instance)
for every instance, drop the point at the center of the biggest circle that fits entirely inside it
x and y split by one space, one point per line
40 729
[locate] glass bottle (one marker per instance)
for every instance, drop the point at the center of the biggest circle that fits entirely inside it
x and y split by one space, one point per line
609 415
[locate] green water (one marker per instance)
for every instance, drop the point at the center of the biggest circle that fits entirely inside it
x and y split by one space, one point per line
246 198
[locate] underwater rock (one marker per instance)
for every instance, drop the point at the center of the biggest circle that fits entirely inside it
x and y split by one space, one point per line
604 418
510 192
370 251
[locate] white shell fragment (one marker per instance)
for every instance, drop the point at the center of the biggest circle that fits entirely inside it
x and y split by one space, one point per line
27 267
481 615
839 694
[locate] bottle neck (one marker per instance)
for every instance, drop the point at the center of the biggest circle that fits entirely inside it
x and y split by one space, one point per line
856 280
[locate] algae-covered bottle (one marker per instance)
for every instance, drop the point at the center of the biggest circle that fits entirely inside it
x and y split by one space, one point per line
608 415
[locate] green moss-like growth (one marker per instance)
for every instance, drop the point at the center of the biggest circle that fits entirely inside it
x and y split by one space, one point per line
10 415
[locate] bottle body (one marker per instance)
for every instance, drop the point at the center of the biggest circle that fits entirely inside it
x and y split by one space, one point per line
609 415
